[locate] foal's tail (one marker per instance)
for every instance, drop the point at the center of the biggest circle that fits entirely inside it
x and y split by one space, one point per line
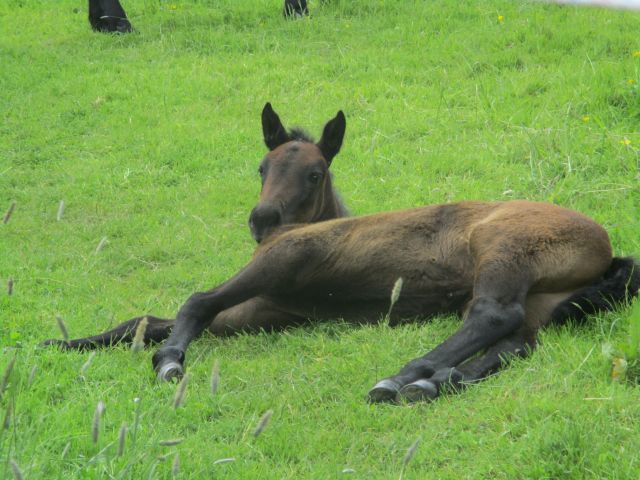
158 329
619 284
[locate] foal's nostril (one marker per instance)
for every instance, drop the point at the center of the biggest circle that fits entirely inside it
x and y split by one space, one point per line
263 219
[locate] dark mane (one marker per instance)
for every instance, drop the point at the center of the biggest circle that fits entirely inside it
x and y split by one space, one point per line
300 135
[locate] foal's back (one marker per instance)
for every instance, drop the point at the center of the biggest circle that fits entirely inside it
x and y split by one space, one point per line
348 266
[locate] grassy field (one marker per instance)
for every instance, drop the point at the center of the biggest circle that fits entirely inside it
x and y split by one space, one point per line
152 140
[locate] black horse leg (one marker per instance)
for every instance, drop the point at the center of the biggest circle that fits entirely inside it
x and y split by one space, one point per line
265 274
496 311
157 330
519 344
295 8
108 16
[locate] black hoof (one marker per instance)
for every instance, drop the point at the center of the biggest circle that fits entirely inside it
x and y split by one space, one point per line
418 391
168 364
449 380
107 24
384 391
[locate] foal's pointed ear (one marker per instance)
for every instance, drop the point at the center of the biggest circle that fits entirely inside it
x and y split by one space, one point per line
272 128
332 136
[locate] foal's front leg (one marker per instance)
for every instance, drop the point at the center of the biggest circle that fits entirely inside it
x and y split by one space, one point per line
268 273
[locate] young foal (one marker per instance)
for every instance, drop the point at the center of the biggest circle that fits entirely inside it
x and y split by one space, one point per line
510 268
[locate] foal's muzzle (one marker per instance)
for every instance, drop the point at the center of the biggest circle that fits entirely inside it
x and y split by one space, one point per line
263 220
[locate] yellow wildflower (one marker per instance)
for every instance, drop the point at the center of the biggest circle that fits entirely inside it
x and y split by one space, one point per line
500 18
625 141
636 54
586 118
631 81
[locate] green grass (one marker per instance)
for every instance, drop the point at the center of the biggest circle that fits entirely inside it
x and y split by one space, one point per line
153 140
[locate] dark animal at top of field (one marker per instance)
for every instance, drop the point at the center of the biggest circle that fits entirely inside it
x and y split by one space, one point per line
109 16
508 268
295 8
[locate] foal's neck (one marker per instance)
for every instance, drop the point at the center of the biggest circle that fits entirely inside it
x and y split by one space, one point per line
332 205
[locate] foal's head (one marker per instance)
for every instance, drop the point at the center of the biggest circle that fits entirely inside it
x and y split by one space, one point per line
296 184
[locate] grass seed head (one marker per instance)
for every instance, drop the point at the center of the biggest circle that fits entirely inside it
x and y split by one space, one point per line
101 244
17 473
262 424
7 417
60 211
32 375
5 376
181 392
408 456
138 338
97 416
63 328
85 365
122 437
9 212
410 452
395 295
171 443
136 418
224 460
215 377
175 466
65 451
395 291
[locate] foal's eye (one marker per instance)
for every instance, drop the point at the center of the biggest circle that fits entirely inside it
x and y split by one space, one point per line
261 170
314 177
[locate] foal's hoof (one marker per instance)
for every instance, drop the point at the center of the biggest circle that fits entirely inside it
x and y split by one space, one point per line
170 371
383 391
418 391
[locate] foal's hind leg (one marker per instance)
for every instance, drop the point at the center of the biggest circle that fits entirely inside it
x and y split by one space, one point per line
496 311
538 312
518 344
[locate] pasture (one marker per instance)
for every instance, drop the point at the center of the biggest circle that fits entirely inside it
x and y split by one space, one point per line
152 140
